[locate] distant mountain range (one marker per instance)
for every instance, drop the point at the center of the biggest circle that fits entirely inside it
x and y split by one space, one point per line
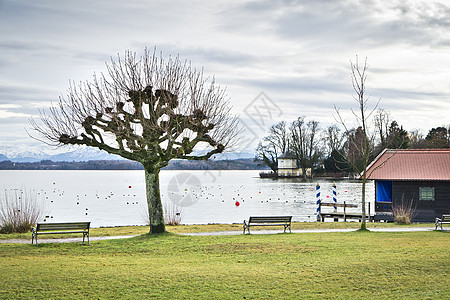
22 153
36 154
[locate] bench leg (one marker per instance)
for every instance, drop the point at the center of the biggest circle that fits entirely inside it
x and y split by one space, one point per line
287 226
437 223
34 237
86 235
246 226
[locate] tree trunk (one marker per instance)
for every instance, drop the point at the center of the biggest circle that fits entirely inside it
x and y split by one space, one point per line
363 202
155 209
304 172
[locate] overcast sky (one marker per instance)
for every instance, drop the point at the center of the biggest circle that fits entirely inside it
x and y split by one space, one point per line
278 59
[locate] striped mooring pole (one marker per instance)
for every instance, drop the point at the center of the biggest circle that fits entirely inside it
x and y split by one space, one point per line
334 196
318 201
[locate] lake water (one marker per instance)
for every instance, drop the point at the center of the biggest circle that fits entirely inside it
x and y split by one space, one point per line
117 198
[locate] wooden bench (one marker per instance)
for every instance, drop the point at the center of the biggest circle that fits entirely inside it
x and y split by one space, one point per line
60 228
336 215
268 221
444 220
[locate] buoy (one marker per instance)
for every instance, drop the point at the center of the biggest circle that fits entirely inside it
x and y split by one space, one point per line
129 186
237 203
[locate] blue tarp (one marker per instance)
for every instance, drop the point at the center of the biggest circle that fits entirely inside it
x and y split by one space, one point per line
384 191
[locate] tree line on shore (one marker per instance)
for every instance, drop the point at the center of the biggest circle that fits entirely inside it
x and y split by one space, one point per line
334 151
236 164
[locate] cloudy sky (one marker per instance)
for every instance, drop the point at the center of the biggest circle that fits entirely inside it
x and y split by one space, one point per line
278 59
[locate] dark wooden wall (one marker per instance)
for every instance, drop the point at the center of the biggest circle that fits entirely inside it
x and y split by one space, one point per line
425 211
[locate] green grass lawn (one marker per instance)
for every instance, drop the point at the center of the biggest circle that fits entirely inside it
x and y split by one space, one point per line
348 265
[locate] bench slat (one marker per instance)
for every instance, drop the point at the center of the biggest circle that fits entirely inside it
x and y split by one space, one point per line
338 204
56 232
267 224
43 228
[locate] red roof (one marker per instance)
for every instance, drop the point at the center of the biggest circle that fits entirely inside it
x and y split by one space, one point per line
411 164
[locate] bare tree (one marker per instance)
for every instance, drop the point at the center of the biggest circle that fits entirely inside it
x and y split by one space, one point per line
333 139
362 143
149 110
305 141
417 139
273 145
382 121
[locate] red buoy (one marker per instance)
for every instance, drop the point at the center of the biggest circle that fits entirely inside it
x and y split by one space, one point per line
237 203
129 186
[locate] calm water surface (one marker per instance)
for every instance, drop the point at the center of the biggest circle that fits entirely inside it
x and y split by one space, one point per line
117 198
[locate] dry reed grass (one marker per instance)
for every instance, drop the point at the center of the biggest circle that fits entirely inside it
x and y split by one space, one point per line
19 211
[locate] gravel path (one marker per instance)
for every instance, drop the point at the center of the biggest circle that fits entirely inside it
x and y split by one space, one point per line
78 240
69 240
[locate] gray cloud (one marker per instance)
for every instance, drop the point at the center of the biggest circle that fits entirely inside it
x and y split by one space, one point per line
23 94
296 51
338 24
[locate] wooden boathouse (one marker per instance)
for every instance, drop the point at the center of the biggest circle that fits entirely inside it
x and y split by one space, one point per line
416 177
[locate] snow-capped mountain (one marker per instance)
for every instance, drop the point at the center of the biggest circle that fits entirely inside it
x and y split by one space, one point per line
25 153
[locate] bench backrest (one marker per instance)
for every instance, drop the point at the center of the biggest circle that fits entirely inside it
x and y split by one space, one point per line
338 204
445 218
276 219
63 226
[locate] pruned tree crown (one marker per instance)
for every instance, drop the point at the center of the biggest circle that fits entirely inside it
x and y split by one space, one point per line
149 109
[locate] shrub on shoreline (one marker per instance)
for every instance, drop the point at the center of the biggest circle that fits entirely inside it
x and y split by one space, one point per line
19 211
404 212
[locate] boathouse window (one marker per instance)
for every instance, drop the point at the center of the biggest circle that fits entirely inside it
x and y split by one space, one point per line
426 193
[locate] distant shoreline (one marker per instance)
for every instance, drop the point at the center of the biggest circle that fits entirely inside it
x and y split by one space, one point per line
235 164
